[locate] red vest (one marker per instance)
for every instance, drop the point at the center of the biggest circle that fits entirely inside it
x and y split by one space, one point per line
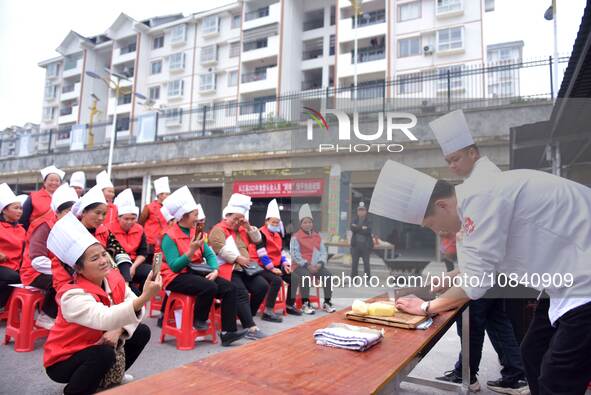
274 246
59 274
66 338
308 242
28 273
12 241
41 202
111 215
102 234
183 243
130 241
155 226
225 270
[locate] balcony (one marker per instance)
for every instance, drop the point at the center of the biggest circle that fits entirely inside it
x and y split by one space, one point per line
124 54
68 114
72 67
70 91
449 8
370 26
313 24
251 53
262 16
368 61
259 81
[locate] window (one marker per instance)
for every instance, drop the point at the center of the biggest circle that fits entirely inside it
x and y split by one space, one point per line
129 48
154 93
156 67
235 49
409 47
450 39
124 99
489 5
174 116
176 88
231 107
232 78
410 83
178 34
445 6
53 69
177 61
455 78
210 24
48 113
207 82
256 44
50 91
236 21
71 62
409 11
158 42
209 54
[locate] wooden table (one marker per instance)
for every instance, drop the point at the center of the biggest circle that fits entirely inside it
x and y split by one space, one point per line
291 362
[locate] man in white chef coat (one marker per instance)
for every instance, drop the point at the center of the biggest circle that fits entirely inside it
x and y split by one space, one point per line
528 225
487 313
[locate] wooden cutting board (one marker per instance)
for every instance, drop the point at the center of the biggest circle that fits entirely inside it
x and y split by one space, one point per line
400 320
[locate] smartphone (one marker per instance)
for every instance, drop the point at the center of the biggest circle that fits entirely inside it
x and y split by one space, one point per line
156 264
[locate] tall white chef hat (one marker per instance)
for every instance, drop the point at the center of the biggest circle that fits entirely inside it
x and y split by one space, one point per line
273 210
166 214
63 194
180 202
7 196
22 198
69 239
78 179
238 204
94 195
452 132
126 203
402 193
201 214
305 212
104 180
52 170
161 185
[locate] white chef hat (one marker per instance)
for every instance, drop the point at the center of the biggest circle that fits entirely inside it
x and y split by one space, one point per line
180 202
103 180
238 204
125 203
402 193
94 195
305 212
22 198
452 132
166 214
63 194
52 170
69 239
201 214
7 196
161 185
78 179
273 210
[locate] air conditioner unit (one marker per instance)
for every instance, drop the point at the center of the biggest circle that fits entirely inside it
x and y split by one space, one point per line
428 50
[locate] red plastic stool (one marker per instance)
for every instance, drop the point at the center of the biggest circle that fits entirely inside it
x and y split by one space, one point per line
186 334
21 319
313 299
280 301
156 303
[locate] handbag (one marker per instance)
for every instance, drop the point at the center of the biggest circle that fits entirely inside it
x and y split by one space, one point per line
114 376
253 269
201 269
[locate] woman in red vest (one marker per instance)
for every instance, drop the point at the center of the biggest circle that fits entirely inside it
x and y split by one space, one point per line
151 218
270 255
36 269
103 180
131 236
309 254
12 241
39 201
191 267
98 313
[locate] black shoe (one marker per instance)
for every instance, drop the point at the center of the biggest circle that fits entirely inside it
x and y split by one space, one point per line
502 386
201 325
230 337
452 377
293 310
159 322
272 317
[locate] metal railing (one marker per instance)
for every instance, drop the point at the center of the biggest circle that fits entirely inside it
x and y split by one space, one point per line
490 85
256 76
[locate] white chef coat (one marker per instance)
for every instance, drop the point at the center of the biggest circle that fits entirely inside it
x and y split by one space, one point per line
524 222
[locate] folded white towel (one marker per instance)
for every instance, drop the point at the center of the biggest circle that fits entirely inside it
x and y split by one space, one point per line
349 337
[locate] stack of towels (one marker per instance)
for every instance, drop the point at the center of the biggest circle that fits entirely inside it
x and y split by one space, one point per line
349 337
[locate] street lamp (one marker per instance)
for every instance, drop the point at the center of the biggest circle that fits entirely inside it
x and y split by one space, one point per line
115 85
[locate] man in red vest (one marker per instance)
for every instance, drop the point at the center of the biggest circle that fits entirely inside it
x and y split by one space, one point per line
39 202
309 254
151 218
131 237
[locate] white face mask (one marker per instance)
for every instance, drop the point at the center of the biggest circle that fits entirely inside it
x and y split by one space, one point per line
274 228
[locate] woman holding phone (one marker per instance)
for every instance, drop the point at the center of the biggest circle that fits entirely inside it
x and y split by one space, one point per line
98 317
191 267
